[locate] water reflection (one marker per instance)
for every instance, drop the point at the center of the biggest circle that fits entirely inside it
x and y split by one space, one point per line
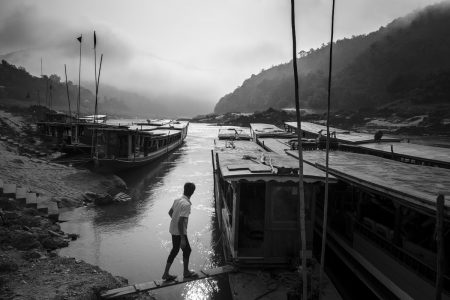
132 239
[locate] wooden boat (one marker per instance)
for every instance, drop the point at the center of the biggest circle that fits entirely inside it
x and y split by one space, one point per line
383 219
257 207
69 134
118 149
234 133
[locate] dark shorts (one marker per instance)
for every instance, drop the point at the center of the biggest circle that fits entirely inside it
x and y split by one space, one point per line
176 243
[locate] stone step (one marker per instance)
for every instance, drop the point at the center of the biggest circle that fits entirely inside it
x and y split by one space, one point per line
21 192
9 189
31 200
42 204
53 211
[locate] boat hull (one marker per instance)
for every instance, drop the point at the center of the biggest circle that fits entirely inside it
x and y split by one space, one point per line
105 165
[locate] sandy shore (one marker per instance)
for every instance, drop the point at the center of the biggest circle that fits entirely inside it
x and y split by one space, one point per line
29 265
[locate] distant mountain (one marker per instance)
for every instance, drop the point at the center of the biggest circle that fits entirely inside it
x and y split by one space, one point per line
19 88
406 62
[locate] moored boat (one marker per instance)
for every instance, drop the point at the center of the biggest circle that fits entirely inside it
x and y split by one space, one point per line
117 149
382 221
257 207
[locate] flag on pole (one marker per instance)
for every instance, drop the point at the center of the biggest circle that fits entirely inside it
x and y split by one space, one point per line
79 38
95 39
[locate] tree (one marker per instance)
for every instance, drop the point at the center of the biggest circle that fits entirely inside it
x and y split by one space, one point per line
55 78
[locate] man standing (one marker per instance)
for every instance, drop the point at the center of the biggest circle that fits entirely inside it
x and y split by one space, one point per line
180 211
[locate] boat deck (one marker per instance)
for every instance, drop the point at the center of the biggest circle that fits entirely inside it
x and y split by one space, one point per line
420 153
260 130
343 136
243 159
417 185
277 145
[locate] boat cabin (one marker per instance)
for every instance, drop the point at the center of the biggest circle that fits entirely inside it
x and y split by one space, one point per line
382 222
257 203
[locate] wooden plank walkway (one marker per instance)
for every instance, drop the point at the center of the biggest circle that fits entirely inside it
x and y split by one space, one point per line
158 284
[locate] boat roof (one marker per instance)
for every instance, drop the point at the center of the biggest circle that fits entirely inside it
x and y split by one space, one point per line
93 116
277 145
344 136
418 185
266 130
234 132
156 132
249 161
436 154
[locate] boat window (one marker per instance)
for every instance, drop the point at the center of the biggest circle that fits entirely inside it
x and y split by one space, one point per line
284 202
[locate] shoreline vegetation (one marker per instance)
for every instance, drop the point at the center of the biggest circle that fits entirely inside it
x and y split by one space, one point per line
362 121
30 267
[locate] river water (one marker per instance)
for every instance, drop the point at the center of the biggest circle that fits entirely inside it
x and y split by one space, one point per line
132 239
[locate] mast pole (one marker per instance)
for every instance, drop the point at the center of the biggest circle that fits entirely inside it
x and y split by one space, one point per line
325 210
68 97
300 157
95 71
79 80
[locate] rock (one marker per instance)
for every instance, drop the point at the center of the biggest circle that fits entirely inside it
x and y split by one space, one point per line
31 212
99 199
7 266
73 236
30 255
53 243
9 215
104 200
118 182
17 161
8 204
5 236
24 240
30 221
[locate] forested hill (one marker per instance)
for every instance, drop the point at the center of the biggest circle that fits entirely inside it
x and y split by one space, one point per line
406 62
18 87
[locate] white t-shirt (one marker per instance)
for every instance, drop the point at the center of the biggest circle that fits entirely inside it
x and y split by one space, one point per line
181 208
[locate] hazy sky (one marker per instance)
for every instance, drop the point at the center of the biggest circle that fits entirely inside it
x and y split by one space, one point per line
179 49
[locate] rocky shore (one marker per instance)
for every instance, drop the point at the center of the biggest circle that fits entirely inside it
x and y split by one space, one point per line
30 267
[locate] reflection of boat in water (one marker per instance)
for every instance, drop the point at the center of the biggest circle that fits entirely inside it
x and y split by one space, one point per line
382 221
258 213
118 149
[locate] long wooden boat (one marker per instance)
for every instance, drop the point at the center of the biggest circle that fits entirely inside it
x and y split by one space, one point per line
117 149
382 221
256 201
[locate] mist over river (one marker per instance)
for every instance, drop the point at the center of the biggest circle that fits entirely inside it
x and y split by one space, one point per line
132 240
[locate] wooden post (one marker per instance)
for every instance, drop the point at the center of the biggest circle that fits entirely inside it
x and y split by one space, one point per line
325 208
439 245
300 158
68 96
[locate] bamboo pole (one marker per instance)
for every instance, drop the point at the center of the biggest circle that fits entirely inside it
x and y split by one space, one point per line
79 81
68 97
439 245
300 157
325 210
